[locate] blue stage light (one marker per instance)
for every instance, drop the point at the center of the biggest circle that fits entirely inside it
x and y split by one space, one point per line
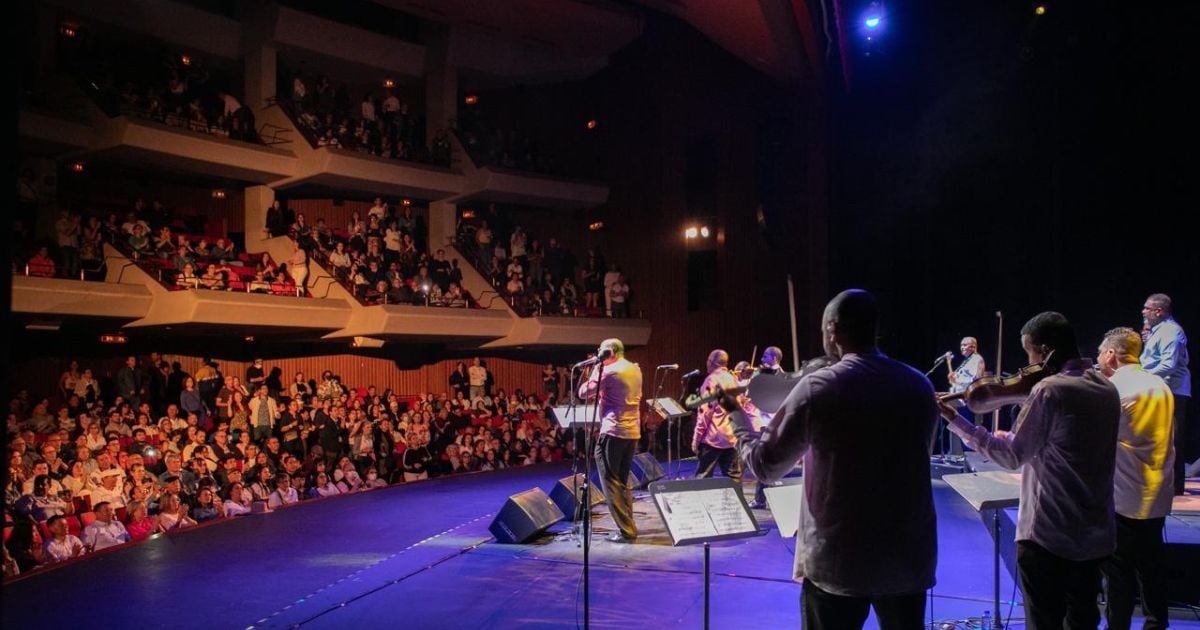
872 21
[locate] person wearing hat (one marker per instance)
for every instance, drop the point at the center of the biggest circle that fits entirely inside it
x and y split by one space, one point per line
110 490
619 395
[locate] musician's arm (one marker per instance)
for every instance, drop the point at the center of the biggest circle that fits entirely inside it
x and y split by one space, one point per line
1010 450
774 452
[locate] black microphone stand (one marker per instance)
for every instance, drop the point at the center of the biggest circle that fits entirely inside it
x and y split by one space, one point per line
941 455
587 494
654 401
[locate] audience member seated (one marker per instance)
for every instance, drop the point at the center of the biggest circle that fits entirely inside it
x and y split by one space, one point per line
337 438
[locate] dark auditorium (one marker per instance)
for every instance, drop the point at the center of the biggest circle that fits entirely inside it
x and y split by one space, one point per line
573 314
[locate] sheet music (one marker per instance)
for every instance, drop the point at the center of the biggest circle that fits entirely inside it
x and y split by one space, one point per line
704 513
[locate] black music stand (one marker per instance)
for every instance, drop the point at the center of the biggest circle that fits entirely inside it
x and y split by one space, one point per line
703 511
670 410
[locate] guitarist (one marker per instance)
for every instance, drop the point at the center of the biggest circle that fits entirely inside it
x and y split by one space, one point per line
713 441
967 372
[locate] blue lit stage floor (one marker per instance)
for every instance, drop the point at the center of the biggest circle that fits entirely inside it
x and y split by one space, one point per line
420 556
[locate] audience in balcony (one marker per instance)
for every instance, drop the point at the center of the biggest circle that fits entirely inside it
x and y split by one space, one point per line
538 280
383 127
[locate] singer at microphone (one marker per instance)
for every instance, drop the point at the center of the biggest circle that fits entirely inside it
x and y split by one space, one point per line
618 395
601 356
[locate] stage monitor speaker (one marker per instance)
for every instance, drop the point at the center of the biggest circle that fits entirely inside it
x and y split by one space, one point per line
646 469
524 516
568 492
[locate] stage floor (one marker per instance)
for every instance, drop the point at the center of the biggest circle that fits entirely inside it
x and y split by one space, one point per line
420 556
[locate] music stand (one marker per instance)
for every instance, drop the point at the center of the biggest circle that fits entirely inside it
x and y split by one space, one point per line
670 410
703 511
992 490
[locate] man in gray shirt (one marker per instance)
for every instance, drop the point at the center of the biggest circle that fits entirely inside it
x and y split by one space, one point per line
864 428
1064 442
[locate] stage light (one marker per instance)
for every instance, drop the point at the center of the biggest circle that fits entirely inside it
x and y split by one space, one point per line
185 60
597 225
406 202
249 338
873 21
468 214
691 232
68 30
218 194
471 99
591 124
704 232
77 167
389 83
1040 9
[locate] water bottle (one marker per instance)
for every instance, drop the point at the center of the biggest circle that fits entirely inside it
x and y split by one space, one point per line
985 622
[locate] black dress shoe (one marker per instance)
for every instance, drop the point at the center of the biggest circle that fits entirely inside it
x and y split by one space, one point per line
618 537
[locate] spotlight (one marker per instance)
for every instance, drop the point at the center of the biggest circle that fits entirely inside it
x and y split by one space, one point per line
406 202
218 194
77 167
389 83
591 124
185 60
597 225
471 99
874 19
249 338
468 214
68 30
1040 9
691 232
704 232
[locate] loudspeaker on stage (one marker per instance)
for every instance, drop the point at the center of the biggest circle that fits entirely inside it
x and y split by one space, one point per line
567 494
524 516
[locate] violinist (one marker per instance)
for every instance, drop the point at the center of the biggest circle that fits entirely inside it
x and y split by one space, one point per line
1143 486
1064 441
713 441
770 361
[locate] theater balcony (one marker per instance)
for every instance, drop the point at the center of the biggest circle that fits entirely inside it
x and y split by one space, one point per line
328 168
139 142
546 332
494 183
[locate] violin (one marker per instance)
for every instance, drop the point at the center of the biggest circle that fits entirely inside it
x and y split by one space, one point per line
990 393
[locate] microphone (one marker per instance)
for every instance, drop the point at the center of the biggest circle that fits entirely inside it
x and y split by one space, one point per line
599 358
669 366
945 357
695 372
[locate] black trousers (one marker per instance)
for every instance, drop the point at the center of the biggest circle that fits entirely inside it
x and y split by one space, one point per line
614 458
708 458
1137 567
1181 441
821 610
1059 593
